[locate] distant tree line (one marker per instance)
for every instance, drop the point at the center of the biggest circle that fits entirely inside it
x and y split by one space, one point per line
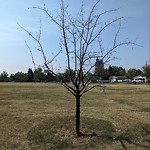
102 73
39 75
99 73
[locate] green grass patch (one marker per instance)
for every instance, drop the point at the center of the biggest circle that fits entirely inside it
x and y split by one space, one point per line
146 109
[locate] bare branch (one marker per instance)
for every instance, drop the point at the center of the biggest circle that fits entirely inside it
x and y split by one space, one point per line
103 28
88 88
117 33
49 62
69 89
83 32
78 36
31 55
44 9
116 46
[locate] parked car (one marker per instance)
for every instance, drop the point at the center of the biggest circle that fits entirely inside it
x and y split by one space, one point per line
137 81
127 80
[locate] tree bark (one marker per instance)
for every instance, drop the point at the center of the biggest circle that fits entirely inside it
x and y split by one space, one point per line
78 115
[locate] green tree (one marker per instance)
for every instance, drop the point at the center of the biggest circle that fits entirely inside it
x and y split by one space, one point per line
116 71
12 78
146 70
110 70
131 73
99 71
50 77
30 75
18 77
39 75
66 75
4 76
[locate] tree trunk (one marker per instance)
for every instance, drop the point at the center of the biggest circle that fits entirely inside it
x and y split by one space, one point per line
78 115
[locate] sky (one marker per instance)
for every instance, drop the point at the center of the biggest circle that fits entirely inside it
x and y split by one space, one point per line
15 56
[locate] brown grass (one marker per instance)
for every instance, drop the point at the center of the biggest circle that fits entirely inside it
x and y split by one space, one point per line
41 116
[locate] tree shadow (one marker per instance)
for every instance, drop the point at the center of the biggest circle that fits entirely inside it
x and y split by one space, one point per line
53 131
122 139
95 135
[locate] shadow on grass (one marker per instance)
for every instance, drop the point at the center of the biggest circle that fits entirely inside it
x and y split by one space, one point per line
58 133
123 139
120 138
105 136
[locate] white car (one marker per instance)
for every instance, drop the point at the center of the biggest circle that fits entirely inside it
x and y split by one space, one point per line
137 81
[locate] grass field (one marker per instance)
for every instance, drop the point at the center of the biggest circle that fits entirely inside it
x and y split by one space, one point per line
40 116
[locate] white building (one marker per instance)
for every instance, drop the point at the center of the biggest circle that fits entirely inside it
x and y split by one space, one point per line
113 79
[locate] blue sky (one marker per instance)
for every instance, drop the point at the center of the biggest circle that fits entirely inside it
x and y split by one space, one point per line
14 55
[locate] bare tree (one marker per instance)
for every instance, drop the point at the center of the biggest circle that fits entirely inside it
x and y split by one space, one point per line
79 36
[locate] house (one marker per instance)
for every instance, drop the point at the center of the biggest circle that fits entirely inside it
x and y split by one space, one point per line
113 79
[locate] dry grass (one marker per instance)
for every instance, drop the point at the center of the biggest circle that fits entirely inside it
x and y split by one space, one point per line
40 116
